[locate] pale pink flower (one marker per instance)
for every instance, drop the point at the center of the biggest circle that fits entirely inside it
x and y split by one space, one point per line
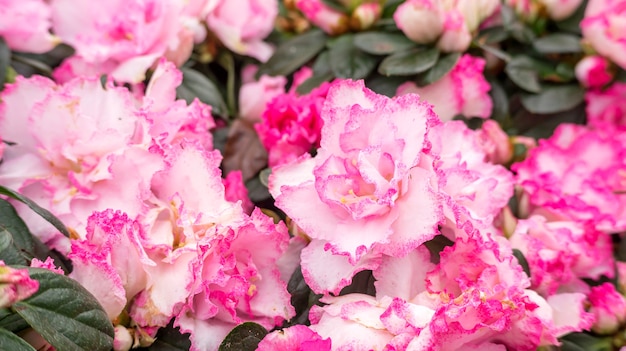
607 107
328 19
603 28
119 38
360 193
291 124
254 96
455 37
467 85
241 25
559 254
577 174
475 12
295 338
365 15
593 71
25 25
420 20
110 262
609 308
495 142
15 285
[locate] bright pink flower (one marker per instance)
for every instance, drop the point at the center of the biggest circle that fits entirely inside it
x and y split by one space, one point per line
609 308
25 25
295 338
559 254
593 72
467 85
236 191
607 107
420 20
578 174
603 28
241 25
361 192
47 264
15 285
111 261
120 38
292 124
328 19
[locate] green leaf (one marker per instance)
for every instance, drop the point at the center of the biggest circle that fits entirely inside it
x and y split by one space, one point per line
11 222
440 69
385 85
5 60
294 53
409 62
583 341
500 100
66 314
553 99
313 82
244 337
12 321
522 261
45 214
10 341
197 85
264 176
170 339
382 43
9 252
347 61
492 35
522 71
572 23
257 191
558 43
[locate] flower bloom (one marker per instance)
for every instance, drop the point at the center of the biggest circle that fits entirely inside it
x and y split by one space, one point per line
577 174
241 25
328 19
25 25
468 87
603 26
361 192
593 72
295 338
15 285
291 124
255 95
609 308
607 107
119 38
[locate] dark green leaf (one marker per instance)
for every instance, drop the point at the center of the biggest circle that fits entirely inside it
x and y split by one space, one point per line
347 61
408 62
11 222
522 261
521 33
500 100
12 321
558 43
244 337
570 346
5 60
440 69
554 99
197 85
9 252
170 339
45 214
586 342
257 191
66 314
12 342
436 245
322 64
572 23
385 85
382 43
294 53
522 71
492 35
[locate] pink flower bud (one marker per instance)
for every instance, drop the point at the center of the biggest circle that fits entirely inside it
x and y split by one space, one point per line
329 20
456 36
609 308
365 16
593 72
15 285
420 20
495 142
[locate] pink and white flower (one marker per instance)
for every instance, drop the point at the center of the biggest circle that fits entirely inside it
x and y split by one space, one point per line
602 27
15 285
467 85
328 19
609 308
607 107
25 25
295 338
593 72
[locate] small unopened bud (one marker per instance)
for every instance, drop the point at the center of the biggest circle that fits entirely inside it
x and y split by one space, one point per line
365 15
